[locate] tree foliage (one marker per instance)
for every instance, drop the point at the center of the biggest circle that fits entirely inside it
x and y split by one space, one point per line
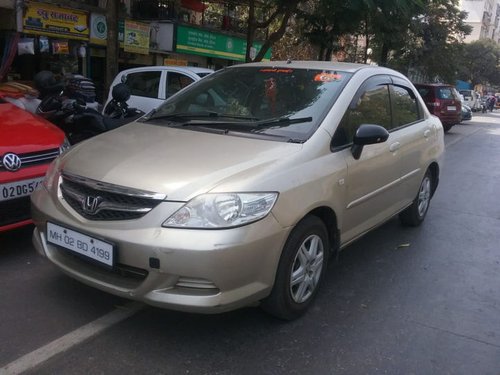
407 35
274 17
480 62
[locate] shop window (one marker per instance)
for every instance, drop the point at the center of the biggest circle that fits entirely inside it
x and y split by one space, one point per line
153 9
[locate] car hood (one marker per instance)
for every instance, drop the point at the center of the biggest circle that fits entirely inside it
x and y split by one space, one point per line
177 162
22 131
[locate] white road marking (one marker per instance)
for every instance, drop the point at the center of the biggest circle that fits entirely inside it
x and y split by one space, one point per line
71 339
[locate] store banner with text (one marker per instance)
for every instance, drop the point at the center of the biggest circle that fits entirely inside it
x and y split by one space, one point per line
136 38
213 44
50 20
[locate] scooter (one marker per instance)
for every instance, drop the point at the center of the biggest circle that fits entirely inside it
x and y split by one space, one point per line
80 122
88 122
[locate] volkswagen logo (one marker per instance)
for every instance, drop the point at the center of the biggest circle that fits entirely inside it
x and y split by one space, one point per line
91 204
11 162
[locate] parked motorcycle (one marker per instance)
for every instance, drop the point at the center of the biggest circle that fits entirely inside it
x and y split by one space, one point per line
79 120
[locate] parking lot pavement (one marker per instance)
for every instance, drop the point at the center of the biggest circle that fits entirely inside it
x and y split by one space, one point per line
401 300
39 304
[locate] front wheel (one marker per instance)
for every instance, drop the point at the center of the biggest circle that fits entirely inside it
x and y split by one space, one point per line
300 270
415 214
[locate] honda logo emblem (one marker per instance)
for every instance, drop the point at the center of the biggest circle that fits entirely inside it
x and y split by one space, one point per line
91 204
11 162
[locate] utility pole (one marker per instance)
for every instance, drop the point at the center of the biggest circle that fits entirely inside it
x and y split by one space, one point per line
112 42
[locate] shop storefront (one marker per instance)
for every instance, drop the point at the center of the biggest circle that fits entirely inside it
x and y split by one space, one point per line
52 38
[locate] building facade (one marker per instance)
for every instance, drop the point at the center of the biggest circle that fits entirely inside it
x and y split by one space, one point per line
484 18
68 36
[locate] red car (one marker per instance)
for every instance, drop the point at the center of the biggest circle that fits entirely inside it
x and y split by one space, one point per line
28 144
443 101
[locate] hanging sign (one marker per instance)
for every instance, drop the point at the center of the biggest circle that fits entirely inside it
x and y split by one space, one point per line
136 38
209 43
98 29
51 20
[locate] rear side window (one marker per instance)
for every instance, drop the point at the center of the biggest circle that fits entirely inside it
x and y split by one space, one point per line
144 83
445 93
405 106
176 82
424 92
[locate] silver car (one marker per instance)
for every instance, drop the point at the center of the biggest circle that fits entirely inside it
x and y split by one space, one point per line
239 189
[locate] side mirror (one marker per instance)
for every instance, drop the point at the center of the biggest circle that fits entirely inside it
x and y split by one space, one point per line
367 134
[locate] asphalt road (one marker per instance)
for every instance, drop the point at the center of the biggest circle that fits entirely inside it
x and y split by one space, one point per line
400 301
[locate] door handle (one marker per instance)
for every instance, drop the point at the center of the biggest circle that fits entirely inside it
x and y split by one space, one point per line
427 133
394 147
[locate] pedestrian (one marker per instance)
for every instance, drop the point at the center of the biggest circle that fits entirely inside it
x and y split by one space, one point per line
491 102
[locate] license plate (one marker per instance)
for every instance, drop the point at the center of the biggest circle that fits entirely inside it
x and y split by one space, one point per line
452 108
19 189
80 243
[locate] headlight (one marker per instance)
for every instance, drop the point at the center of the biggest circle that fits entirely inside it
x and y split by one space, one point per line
222 210
52 175
64 146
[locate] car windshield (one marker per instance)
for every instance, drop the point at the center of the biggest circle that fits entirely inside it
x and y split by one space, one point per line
285 103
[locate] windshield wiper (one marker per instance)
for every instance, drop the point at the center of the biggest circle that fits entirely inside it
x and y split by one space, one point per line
282 122
203 115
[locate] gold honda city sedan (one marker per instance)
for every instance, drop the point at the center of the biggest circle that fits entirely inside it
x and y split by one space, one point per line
238 189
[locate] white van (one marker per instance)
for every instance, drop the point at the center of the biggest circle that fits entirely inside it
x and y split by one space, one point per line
151 85
471 98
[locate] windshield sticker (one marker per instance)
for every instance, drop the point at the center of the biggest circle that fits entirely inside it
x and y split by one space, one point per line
276 70
327 77
270 92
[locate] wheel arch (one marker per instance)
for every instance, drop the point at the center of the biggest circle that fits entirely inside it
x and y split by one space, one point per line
434 169
329 218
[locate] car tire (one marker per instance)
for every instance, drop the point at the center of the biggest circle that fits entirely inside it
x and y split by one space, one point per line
300 271
414 215
447 127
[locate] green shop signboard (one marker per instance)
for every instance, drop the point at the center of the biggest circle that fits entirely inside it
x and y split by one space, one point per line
207 43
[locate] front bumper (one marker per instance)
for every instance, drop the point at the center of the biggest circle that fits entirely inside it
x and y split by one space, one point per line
205 271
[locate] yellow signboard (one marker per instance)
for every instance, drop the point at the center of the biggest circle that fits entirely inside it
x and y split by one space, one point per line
136 38
176 62
45 19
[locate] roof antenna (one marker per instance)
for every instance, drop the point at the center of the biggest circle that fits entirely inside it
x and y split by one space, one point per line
289 61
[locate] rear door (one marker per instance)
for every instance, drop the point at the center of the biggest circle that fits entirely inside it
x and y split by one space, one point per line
413 136
450 102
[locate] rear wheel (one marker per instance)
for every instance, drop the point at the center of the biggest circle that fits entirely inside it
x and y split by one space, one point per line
415 214
300 271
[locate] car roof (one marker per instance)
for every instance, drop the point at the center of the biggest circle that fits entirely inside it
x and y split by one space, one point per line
326 65
433 84
192 69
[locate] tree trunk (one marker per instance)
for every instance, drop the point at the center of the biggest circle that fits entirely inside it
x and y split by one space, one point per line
250 29
112 42
384 54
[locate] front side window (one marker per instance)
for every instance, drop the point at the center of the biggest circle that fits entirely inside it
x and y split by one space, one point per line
144 83
281 102
405 106
371 107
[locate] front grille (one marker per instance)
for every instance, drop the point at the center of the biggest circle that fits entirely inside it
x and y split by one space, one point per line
96 200
14 211
121 275
34 158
